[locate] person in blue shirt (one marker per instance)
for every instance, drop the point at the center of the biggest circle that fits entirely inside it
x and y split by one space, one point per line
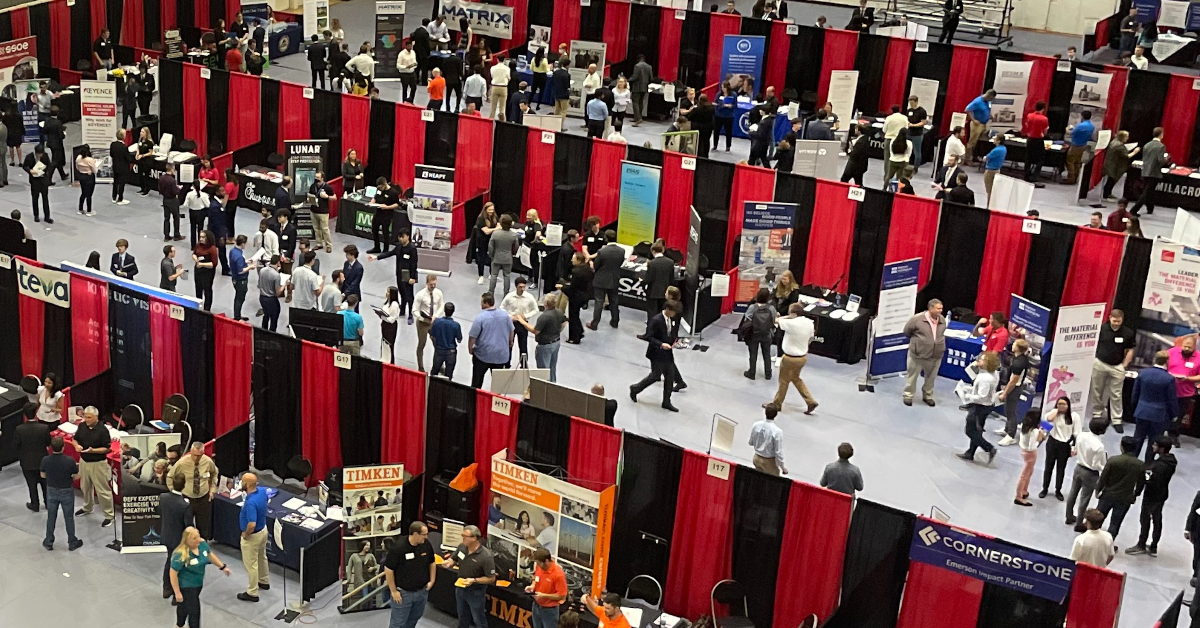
491 340
726 111
352 326
1078 138
597 114
239 269
352 274
980 113
446 334
994 162
494 514
253 523
188 561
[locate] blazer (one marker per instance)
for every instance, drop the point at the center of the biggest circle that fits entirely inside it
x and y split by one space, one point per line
961 194
1154 396
658 333
945 174
130 266
860 155
176 513
659 273
608 267
32 439
502 246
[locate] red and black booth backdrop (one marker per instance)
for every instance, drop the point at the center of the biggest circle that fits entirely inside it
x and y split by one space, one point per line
874 567
198 352
361 410
449 431
572 163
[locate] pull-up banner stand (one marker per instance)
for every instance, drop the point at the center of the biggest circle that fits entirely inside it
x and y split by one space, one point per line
897 302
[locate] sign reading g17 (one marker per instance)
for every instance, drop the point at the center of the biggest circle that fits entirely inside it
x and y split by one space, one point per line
43 284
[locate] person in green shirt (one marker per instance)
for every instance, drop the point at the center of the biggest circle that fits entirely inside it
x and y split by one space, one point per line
187 575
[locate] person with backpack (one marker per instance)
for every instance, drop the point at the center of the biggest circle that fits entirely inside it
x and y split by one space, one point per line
758 330
899 151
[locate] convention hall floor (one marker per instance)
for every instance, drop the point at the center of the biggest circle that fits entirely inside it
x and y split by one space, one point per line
906 454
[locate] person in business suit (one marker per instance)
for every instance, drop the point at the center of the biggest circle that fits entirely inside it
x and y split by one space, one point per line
859 157
607 281
317 60
1155 403
32 439
947 176
862 19
659 273
659 352
176 513
960 193
123 264
951 11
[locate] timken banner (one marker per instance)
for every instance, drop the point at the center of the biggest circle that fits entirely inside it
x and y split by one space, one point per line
371 502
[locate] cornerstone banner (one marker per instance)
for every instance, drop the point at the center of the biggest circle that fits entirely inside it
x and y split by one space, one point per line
897 302
43 284
1174 278
742 61
485 19
389 37
766 247
1070 365
991 560
371 503
637 208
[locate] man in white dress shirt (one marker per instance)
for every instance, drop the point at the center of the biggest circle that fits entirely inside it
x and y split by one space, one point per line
767 440
428 304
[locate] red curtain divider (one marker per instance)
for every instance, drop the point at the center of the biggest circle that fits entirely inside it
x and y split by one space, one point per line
166 347
832 234
913 232
968 66
1179 124
604 181
356 129
69 77
409 148
232 8
133 31
195 107
1095 597
403 432
520 27
719 25
750 183
204 21
810 556
98 10
89 325
895 74
320 433
1005 256
60 35
338 190
20 22
494 431
1041 78
675 204
839 52
458 230
168 18
730 300
778 51
669 32
233 347
1095 267
473 159
593 455
293 115
934 596
616 31
32 313
222 162
1112 116
565 25
702 541
539 184
245 129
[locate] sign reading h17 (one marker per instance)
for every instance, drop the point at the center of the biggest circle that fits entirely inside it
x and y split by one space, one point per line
51 286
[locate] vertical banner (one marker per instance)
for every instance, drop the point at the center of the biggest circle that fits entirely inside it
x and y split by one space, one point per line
129 348
27 106
897 302
488 20
304 159
389 37
432 217
98 110
316 17
580 56
742 61
1091 94
1030 322
1074 351
1174 278
843 86
693 248
766 248
18 62
371 507
637 210
141 525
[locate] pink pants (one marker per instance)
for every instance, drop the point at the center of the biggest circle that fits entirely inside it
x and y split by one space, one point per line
1030 458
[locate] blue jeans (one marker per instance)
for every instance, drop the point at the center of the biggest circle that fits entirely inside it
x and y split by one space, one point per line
469 602
545 617
60 498
1118 515
409 610
916 140
546 356
444 361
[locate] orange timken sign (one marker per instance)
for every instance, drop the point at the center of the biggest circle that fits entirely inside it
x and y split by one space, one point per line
382 476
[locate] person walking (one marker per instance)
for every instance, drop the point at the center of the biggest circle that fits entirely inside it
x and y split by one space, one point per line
840 475
1114 351
759 332
60 472
490 341
1116 163
952 10
502 247
859 157
175 516
549 589
639 85
93 443
498 95
446 334
926 334
405 253
188 561
1120 483
200 475
660 273
560 88
1093 546
766 438
1154 496
37 166
798 331
994 162
1155 402
205 257
1031 437
1010 396
1065 428
85 168
410 570
476 570
32 437
658 351
270 288
1154 159
606 283
253 523
980 398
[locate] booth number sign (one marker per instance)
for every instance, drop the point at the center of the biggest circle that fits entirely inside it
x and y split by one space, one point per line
689 163
500 405
341 360
857 194
718 468
177 312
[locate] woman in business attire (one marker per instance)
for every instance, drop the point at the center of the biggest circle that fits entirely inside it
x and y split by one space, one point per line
353 179
1065 426
701 117
578 288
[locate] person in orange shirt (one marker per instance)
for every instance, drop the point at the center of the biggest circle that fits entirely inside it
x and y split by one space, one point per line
437 90
609 613
549 589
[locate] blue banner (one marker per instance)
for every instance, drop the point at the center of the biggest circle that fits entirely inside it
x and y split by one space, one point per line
1147 10
1193 17
1029 316
742 60
133 286
991 560
637 207
1030 322
897 302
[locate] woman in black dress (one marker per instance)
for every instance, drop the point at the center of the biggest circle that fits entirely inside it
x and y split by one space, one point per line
578 289
16 134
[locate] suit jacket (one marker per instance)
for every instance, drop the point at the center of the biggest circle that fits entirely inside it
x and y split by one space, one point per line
860 155
420 39
961 194
130 267
32 439
639 82
608 267
659 273
1154 396
658 333
176 513
502 246
946 174
316 55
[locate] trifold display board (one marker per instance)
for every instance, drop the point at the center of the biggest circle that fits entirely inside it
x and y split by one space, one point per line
432 217
531 510
371 504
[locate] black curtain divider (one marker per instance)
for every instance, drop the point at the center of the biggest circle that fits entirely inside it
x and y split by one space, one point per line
872 223
989 74
871 62
957 256
81 33
441 139
449 427
268 106
541 13
39 26
231 451
712 187
129 348
759 504
97 391
793 188
197 336
591 24
875 567
216 11
572 165
1049 259
1143 108
933 64
10 334
360 407
152 23
693 49
275 382
383 131
170 110
804 64
644 519
1058 108
1131 285
508 168
1170 617
643 155
325 122
185 13
6 26
217 92
543 440
1001 607
56 343
644 32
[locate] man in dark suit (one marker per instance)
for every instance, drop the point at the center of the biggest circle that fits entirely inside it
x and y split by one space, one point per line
317 52
946 178
659 273
176 513
607 280
560 89
55 135
658 351
1155 403
859 157
960 193
862 19
123 264
32 439
565 251
420 40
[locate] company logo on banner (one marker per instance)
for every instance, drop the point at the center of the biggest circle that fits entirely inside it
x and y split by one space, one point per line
372 498
485 19
991 560
1174 277
897 302
1070 366
637 208
389 37
98 105
742 60
43 284
766 248
1031 322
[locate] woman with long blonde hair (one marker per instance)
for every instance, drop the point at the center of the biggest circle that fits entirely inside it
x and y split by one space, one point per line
188 561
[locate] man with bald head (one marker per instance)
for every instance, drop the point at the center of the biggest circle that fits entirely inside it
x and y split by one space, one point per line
253 522
93 443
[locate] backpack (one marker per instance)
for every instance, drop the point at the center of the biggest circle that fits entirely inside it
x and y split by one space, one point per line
762 321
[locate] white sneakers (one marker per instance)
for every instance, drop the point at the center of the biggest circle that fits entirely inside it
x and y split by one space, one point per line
1006 441
480 282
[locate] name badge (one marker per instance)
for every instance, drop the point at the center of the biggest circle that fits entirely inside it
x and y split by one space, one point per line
406 256
536 579
1119 340
1189 364
409 556
194 561
286 237
461 555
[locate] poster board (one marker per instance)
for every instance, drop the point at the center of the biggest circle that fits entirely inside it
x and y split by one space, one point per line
1173 14
1010 194
432 217
371 510
685 142
98 111
389 37
1070 366
539 39
141 524
897 302
1091 94
1173 282
926 91
766 248
1012 77
817 158
316 17
1007 112
528 510
580 55
637 207
488 20
843 86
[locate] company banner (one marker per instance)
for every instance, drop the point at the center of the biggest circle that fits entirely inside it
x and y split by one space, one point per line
485 19
693 247
637 209
897 302
18 62
816 158
304 159
742 61
926 91
766 248
1070 365
1030 322
371 504
141 524
1091 94
1174 278
432 217
43 284
389 37
1007 110
843 86
98 109
1012 77
580 56
316 18
27 106
1173 14
991 560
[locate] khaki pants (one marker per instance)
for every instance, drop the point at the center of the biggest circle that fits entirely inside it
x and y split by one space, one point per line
988 177
892 168
254 559
978 130
789 373
422 336
499 96
915 367
321 230
94 481
561 107
353 347
766 465
1108 383
1074 163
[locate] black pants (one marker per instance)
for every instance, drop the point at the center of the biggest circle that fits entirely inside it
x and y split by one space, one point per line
758 156
388 331
204 286
1109 184
614 296
144 167
654 306
270 307
118 186
705 141
1035 156
202 510
618 120
855 175
522 336
406 296
658 370
723 125
240 286
575 302
1057 454
539 85
33 479
39 190
595 128
58 160
1148 184
1151 514
765 346
87 187
196 218
381 230
422 69
189 609
948 28
230 217
455 89
167 574
976 414
318 74
479 368
408 86
128 115
144 104
170 216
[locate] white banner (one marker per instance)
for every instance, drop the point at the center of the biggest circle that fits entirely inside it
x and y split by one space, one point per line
98 107
485 19
1074 351
1090 93
926 91
1173 14
1174 278
43 284
843 85
1012 77
1007 111
432 207
316 17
